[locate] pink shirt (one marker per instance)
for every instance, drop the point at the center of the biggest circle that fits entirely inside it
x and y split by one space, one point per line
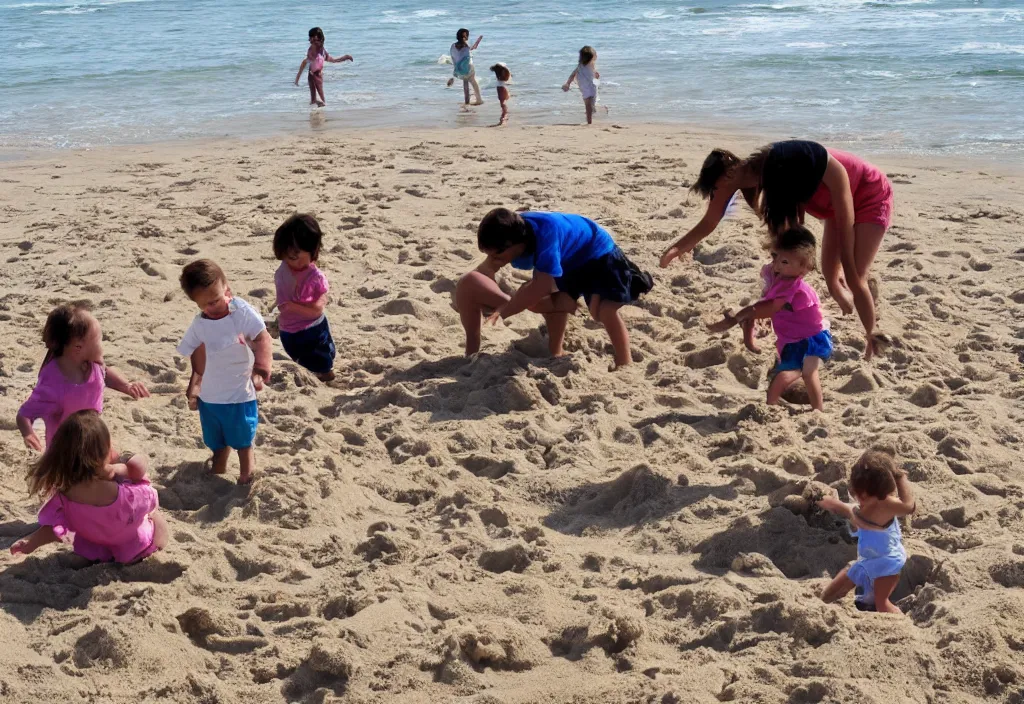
306 287
55 398
315 56
801 317
867 184
120 532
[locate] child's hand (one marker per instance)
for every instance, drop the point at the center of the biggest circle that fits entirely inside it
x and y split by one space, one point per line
283 305
193 403
33 442
112 471
22 547
830 504
727 321
565 87
450 81
257 381
597 74
494 317
137 390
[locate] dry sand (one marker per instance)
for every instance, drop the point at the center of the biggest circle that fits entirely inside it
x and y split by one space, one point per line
513 528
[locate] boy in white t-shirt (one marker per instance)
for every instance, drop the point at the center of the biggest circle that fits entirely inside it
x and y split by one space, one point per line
230 351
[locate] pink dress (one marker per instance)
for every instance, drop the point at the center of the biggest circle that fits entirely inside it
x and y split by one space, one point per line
872 193
55 398
305 287
120 532
801 317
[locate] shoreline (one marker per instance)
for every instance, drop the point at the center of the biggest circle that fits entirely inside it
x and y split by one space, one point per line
727 137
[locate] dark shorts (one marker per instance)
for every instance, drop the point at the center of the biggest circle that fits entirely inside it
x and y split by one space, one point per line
229 424
793 354
613 277
312 348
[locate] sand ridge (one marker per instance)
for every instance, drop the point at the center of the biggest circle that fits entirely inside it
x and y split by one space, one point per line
512 528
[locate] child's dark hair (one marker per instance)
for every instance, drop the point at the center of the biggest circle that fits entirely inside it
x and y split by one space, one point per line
200 274
874 474
301 231
80 448
64 324
587 54
316 33
458 35
502 228
501 72
800 240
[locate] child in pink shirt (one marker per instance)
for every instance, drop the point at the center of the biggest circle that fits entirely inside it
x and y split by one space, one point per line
302 296
109 508
72 377
803 337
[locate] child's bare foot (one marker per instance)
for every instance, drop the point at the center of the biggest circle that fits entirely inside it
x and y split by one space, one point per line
245 478
748 336
320 103
477 102
326 376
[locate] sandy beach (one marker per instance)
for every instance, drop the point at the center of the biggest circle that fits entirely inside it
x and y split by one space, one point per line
511 528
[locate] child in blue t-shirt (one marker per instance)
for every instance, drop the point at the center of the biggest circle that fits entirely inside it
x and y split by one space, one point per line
570 256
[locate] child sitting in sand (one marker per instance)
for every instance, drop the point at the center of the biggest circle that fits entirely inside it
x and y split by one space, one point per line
302 295
104 501
316 55
586 76
230 351
803 337
462 62
570 256
503 75
72 377
874 480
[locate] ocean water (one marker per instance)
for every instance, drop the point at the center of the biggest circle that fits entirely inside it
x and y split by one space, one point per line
927 76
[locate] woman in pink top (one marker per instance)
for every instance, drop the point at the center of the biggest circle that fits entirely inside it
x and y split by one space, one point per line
787 179
302 296
316 55
109 509
802 335
72 377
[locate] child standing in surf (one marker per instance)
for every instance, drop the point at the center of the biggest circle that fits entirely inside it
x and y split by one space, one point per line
586 76
316 55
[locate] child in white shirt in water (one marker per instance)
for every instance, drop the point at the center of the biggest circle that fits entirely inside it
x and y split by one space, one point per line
230 351
586 76
504 76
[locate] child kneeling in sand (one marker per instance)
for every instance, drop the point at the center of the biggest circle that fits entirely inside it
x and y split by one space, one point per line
226 372
105 502
874 480
570 256
803 337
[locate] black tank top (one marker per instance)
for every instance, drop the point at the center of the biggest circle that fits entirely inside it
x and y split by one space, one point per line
799 163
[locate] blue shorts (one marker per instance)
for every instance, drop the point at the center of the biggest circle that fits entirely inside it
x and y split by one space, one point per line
793 354
229 424
312 348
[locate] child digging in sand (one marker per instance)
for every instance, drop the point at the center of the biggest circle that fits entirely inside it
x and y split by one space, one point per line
586 76
803 337
72 377
302 296
316 55
883 494
104 501
570 256
230 351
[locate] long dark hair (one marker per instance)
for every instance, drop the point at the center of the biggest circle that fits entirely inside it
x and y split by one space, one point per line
79 449
721 162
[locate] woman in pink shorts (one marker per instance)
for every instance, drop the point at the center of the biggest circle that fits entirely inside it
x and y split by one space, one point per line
785 180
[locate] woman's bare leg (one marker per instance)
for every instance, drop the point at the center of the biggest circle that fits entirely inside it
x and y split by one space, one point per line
476 90
831 267
867 239
465 90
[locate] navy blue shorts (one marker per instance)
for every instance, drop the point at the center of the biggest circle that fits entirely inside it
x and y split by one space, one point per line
792 357
312 348
229 424
613 277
